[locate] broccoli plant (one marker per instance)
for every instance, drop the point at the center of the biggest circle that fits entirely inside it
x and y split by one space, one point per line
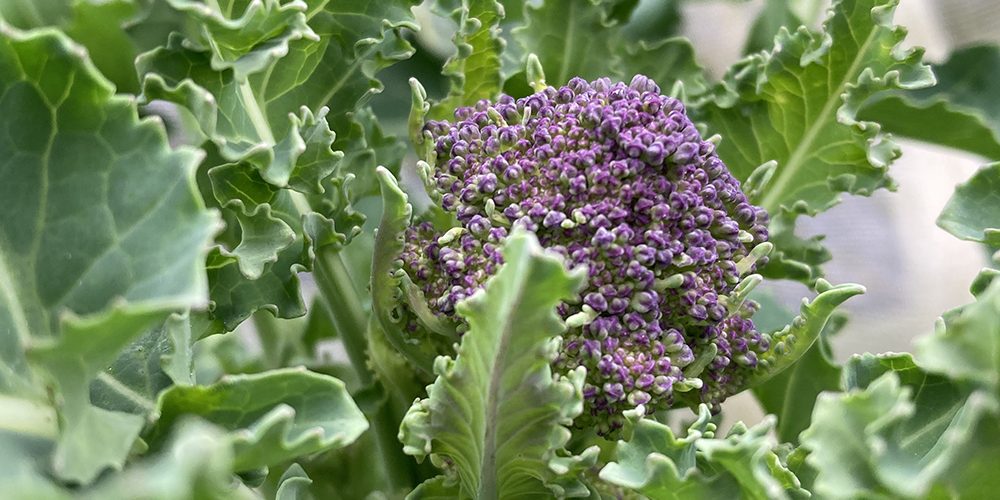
233 266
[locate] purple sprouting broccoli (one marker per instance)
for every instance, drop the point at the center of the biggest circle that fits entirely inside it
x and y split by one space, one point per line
616 178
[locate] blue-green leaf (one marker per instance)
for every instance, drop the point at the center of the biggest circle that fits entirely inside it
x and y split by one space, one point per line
102 235
271 417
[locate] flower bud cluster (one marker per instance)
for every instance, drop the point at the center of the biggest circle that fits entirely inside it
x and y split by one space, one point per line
616 178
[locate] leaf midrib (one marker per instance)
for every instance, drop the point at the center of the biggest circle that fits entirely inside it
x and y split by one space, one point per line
797 160
487 471
9 297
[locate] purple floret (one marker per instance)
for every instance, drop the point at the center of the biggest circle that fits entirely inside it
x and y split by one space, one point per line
616 178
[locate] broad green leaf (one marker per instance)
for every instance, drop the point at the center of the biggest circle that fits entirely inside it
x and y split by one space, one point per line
102 235
973 212
571 38
660 465
196 463
496 415
98 25
27 14
790 394
896 432
271 417
964 106
797 106
474 70
125 205
23 472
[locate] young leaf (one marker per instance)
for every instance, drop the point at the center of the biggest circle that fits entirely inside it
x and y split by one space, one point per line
294 484
790 343
797 105
658 464
234 298
256 77
973 212
271 417
262 237
385 279
366 146
496 414
964 106
790 394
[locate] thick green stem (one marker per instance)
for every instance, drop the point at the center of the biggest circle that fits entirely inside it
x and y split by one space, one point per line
339 297
270 334
338 293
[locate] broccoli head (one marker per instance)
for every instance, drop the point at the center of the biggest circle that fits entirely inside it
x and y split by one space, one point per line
615 178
